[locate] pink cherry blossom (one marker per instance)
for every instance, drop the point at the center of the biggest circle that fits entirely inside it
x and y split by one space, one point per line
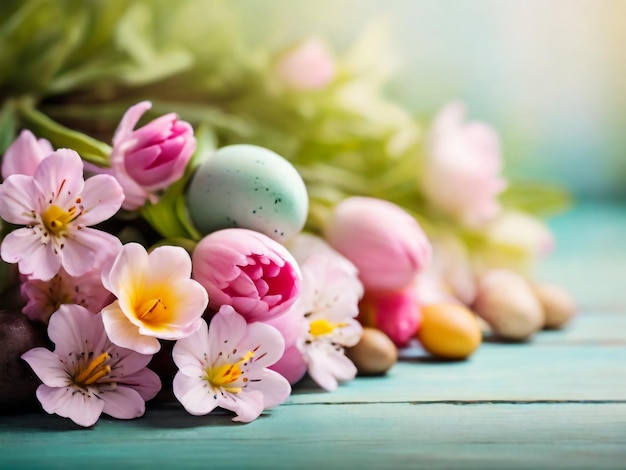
57 206
149 159
24 155
248 270
45 297
461 174
307 66
225 365
384 242
156 298
87 375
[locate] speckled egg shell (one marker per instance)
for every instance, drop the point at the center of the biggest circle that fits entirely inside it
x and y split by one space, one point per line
249 187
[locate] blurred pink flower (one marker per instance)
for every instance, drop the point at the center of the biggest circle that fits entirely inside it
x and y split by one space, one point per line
24 155
56 206
307 66
45 297
152 157
395 313
461 174
384 242
226 364
248 270
155 297
87 375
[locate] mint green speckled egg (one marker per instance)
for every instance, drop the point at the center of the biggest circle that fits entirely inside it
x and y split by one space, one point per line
249 187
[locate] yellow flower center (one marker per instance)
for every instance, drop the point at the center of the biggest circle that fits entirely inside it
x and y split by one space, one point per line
224 375
323 327
56 219
94 371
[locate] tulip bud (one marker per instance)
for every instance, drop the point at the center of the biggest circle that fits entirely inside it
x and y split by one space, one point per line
149 159
397 314
247 270
24 155
384 242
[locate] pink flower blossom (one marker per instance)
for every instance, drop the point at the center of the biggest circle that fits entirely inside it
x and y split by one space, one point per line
248 270
395 313
24 155
308 66
149 159
45 297
461 174
385 243
155 297
56 206
225 365
87 375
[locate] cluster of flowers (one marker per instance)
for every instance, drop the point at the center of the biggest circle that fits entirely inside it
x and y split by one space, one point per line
108 306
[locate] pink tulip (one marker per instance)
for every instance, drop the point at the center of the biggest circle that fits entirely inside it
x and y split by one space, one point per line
462 169
149 159
24 155
385 243
396 313
308 66
247 270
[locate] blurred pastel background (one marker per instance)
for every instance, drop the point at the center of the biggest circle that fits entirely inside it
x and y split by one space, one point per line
549 75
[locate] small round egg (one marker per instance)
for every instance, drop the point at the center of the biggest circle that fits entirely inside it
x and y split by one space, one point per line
449 331
374 354
251 187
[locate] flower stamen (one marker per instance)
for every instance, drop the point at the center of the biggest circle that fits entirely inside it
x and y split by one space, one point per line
56 219
221 376
323 327
94 371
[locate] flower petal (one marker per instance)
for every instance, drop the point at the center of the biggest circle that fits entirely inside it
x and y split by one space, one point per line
145 382
60 177
167 263
127 270
129 121
101 197
248 405
24 154
123 403
123 333
194 394
226 330
23 246
18 198
84 409
87 248
275 387
47 366
328 366
266 341
190 354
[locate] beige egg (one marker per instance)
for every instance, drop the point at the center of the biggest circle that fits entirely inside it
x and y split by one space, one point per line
374 354
449 331
507 302
558 305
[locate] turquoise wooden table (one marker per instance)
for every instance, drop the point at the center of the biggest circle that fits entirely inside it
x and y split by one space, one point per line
558 402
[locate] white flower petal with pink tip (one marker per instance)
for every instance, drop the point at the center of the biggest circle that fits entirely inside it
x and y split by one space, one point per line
156 297
86 374
24 155
225 365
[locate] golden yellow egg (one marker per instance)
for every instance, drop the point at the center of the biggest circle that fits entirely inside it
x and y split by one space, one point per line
449 331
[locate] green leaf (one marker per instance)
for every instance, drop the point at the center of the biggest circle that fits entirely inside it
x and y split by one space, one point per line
169 216
90 149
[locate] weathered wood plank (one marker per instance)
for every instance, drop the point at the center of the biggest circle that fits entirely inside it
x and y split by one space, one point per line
370 436
588 328
509 372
